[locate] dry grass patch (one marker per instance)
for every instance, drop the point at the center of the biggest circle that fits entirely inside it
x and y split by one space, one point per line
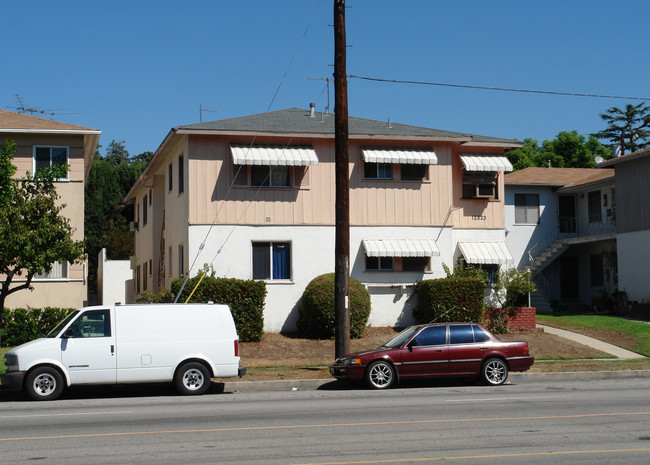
279 356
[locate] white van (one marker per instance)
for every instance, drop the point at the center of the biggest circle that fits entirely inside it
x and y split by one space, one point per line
186 344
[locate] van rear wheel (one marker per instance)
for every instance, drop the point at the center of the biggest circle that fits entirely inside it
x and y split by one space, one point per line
44 383
192 379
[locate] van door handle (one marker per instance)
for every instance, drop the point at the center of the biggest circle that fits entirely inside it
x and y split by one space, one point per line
112 349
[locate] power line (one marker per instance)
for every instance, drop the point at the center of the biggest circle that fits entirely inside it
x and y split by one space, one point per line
502 89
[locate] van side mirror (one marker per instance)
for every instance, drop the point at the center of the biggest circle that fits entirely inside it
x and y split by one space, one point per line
68 334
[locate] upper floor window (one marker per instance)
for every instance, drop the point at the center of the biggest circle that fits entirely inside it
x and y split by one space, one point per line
144 210
526 208
377 170
593 207
270 176
480 185
170 179
397 163
181 174
46 157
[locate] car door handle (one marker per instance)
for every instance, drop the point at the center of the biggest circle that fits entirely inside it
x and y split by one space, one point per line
484 348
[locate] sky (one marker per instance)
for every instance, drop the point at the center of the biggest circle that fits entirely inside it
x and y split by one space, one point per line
135 69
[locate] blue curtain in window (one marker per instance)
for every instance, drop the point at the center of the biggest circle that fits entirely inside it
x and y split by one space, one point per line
281 261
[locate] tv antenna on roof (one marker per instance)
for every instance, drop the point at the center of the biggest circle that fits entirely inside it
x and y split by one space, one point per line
201 110
31 110
328 80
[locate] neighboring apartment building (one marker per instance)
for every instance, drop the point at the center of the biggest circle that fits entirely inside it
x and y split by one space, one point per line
561 222
43 142
255 198
633 223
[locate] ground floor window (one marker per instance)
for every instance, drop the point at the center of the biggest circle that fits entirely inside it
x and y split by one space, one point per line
272 260
379 263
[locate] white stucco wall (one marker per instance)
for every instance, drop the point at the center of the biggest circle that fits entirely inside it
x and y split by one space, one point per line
313 255
113 280
633 258
520 238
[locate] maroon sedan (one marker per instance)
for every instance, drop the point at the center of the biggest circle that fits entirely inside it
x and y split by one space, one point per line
440 349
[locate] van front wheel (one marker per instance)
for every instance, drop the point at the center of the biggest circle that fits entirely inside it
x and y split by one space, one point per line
44 383
192 379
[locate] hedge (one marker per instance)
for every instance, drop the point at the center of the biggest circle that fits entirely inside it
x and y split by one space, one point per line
317 313
245 298
449 299
22 325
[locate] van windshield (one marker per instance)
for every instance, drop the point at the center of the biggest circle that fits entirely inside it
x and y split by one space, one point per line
61 325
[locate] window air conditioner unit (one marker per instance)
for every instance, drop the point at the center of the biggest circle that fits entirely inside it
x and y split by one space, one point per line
134 226
484 191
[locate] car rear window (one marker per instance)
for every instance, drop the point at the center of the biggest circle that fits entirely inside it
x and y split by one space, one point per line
479 335
461 334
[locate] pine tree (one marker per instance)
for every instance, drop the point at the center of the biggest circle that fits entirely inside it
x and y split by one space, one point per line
628 128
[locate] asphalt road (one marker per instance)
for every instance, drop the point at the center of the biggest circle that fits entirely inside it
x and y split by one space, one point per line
595 422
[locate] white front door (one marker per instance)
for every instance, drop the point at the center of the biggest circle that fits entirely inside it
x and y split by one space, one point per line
88 348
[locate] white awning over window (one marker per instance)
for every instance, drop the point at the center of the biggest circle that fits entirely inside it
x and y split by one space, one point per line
478 162
410 155
274 155
400 247
495 252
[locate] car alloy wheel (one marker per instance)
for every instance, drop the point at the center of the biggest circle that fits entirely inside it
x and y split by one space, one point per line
380 375
495 371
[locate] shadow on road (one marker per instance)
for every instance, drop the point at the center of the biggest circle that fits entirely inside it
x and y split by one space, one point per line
113 392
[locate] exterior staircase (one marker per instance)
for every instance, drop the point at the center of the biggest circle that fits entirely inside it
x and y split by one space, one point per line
550 253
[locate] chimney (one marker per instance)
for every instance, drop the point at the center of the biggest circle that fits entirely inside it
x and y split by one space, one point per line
548 164
312 110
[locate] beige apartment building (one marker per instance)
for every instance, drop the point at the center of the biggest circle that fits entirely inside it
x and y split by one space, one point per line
42 142
254 197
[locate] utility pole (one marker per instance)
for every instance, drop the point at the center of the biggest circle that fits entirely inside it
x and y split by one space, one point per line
342 174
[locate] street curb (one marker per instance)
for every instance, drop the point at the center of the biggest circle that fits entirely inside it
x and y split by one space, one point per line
513 378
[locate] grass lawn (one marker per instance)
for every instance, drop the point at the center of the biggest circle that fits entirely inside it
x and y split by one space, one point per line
628 334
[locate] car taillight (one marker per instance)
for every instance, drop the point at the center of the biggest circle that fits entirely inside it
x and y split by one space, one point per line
236 348
526 350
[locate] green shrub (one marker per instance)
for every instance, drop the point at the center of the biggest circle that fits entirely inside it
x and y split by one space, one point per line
449 299
150 297
244 297
22 325
517 285
317 313
496 319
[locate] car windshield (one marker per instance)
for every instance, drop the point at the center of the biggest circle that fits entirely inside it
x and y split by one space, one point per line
402 337
60 326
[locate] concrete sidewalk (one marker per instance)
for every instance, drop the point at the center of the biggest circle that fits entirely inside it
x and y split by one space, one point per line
591 342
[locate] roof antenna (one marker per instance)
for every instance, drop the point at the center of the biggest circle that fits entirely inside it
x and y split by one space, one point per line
31 110
389 124
201 110
328 80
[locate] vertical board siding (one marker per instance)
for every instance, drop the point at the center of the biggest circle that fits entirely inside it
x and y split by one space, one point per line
398 203
632 183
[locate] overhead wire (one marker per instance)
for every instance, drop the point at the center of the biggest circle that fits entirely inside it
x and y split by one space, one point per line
501 89
202 245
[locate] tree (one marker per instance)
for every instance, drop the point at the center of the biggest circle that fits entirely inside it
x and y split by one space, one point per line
7 171
34 233
106 218
117 153
628 128
568 150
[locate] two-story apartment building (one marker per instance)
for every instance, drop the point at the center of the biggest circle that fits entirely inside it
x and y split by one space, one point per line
43 142
633 223
561 223
255 198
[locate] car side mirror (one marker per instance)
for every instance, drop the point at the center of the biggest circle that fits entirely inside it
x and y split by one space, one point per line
411 344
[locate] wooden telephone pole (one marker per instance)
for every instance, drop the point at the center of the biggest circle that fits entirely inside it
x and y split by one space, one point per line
342 174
